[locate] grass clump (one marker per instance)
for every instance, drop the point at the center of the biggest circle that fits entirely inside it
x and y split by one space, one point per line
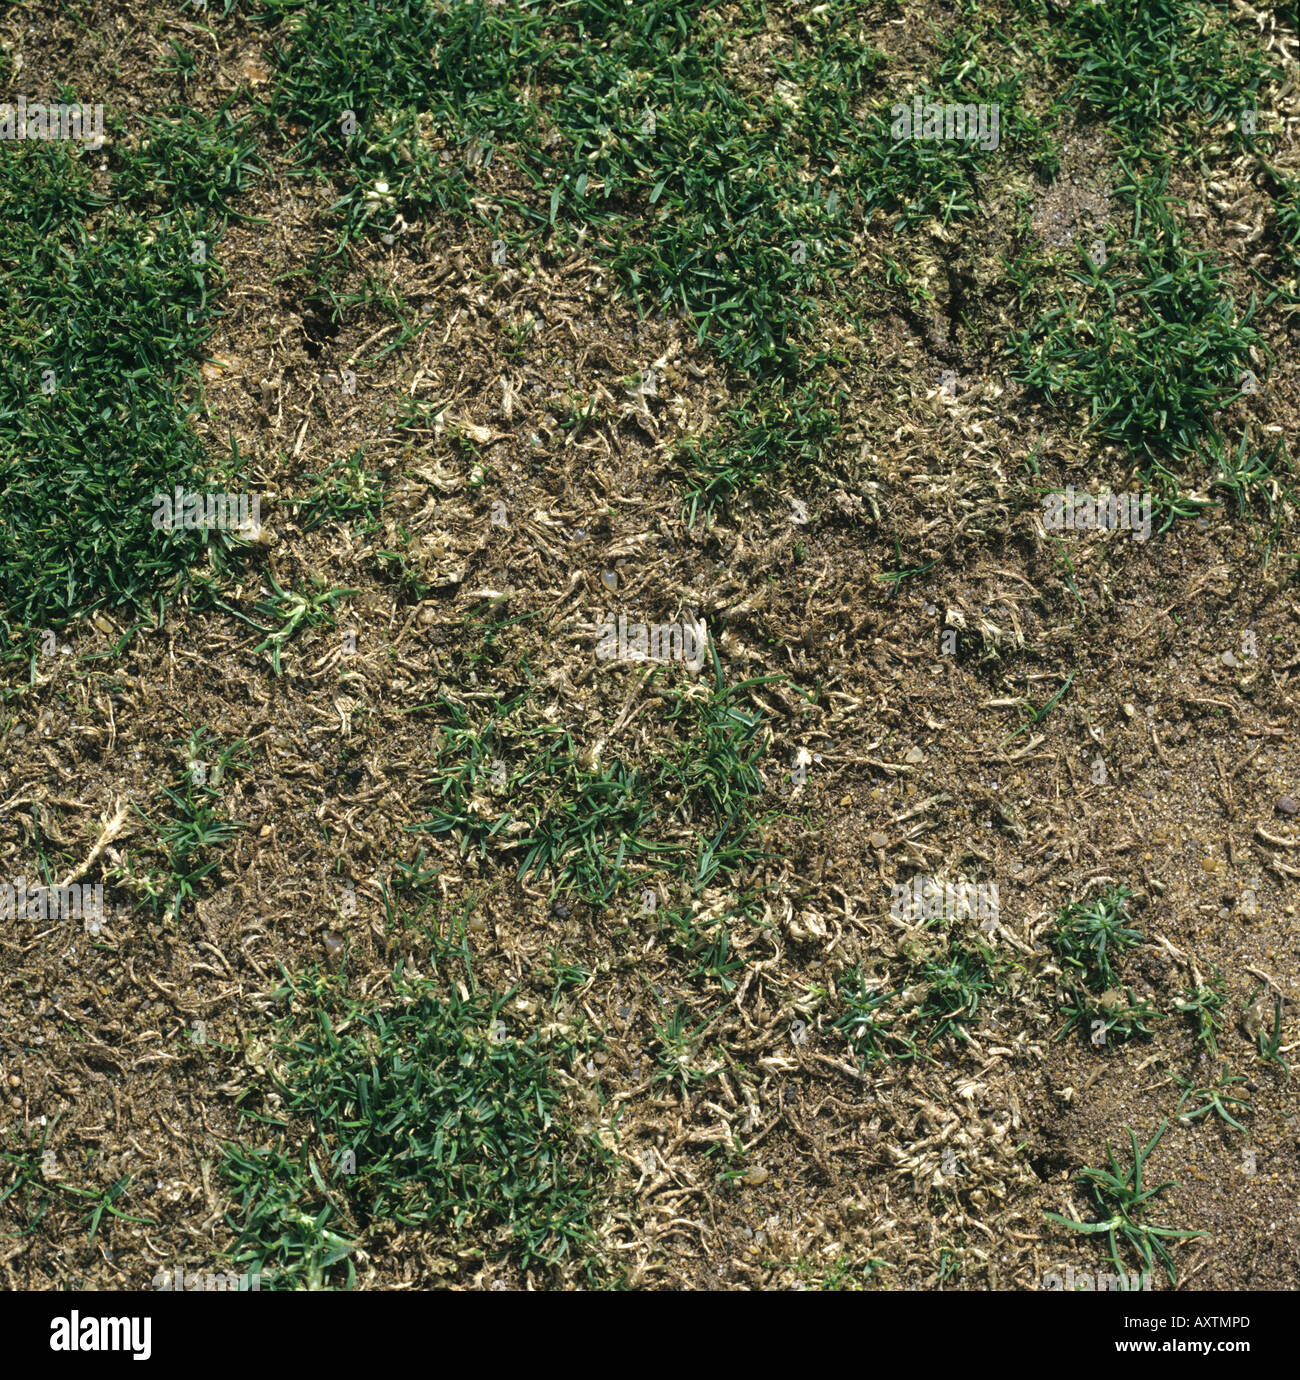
634 129
345 492
428 1111
192 824
104 299
609 112
938 999
1216 1097
1270 1041
1120 1198
954 984
1090 940
1204 1004
873 1032
292 609
1151 344
1150 66
1092 936
570 817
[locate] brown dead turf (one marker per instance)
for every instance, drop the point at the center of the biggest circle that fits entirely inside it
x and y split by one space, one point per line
909 774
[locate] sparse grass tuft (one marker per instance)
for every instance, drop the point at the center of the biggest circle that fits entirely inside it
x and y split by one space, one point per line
1121 1199
1090 940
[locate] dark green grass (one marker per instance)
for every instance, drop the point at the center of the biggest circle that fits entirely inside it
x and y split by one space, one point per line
1152 343
873 1030
634 131
104 301
581 138
954 985
428 1110
1154 348
1148 69
1091 937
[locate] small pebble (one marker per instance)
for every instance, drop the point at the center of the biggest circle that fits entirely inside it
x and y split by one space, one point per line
915 755
879 840
609 580
1228 659
1287 804
333 943
1211 864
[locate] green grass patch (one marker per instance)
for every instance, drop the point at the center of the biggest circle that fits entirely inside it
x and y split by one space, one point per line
510 784
104 302
1148 68
1151 343
428 1109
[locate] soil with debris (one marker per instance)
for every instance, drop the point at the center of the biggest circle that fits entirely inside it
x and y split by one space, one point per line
1185 658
